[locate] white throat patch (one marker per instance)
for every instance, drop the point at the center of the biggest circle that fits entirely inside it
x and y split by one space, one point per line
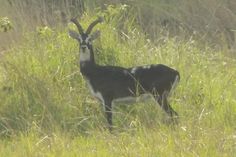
84 55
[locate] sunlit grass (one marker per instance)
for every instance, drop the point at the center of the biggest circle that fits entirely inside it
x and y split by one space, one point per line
163 141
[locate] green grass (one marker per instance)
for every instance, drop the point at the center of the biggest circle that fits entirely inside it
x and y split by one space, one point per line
161 141
46 108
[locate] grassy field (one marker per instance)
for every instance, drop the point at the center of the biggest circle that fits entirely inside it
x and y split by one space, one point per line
46 108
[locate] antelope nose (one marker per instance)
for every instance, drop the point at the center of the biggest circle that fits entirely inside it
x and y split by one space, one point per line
83 47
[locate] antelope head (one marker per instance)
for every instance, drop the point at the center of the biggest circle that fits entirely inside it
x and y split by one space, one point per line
85 38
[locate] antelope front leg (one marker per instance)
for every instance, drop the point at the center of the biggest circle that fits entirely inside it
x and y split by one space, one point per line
108 113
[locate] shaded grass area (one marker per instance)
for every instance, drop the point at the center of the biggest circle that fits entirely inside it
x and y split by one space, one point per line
46 109
211 22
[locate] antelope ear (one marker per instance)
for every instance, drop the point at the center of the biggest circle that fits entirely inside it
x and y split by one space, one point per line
95 35
73 34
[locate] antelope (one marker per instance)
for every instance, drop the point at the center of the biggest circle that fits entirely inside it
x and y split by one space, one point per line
113 83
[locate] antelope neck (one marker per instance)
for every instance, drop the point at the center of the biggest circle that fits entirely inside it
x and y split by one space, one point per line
88 63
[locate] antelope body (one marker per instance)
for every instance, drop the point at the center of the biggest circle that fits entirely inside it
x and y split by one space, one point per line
113 83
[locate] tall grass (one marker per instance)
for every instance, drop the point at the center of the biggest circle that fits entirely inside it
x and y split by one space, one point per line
209 21
46 109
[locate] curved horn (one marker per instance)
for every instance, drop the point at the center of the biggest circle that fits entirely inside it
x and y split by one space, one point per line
80 29
100 19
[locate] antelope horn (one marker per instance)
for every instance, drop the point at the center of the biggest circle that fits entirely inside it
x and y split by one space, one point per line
80 29
100 19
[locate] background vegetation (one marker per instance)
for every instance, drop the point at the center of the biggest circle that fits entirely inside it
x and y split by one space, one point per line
46 109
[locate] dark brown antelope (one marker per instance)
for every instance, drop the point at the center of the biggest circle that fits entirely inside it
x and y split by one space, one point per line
112 83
